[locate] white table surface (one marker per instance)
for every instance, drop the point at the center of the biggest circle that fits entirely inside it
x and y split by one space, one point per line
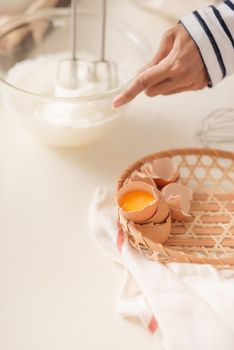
56 290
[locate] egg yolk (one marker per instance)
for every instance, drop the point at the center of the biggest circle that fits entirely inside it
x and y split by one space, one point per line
136 200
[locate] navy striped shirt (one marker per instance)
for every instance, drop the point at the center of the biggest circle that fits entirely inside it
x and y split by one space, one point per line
212 29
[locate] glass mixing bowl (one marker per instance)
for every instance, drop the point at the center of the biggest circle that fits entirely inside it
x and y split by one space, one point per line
31 47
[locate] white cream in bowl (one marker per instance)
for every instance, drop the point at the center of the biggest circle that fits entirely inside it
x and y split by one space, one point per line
65 122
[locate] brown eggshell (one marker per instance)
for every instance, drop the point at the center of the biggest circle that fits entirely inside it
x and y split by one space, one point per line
155 233
138 216
162 170
137 235
142 177
162 211
179 199
180 215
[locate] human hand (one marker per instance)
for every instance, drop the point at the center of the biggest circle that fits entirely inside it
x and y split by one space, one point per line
177 66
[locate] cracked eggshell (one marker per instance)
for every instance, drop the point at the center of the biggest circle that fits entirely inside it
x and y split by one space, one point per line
142 177
162 170
179 199
138 216
136 235
162 211
154 233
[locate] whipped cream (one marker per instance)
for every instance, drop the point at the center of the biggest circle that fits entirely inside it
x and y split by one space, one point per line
63 119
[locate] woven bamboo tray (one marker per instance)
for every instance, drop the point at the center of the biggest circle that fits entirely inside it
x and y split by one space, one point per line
209 237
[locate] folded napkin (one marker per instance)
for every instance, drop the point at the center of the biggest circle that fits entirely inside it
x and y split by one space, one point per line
193 305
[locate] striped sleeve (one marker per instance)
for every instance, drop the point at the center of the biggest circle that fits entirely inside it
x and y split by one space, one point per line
212 29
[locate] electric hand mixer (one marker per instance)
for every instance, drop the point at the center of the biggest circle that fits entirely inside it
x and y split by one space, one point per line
74 73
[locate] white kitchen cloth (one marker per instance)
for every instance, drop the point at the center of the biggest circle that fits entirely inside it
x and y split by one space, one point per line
193 304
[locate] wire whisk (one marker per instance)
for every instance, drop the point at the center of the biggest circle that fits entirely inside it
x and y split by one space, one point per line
217 129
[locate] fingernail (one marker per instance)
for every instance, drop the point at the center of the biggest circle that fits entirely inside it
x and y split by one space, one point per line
118 102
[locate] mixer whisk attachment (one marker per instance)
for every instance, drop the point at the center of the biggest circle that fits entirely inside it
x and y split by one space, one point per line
74 73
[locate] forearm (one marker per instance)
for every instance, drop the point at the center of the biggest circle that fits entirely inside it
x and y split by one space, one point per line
212 29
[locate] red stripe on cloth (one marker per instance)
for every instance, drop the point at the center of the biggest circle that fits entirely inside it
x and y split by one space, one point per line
153 325
120 238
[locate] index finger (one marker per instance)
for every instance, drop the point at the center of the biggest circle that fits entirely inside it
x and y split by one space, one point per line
143 81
